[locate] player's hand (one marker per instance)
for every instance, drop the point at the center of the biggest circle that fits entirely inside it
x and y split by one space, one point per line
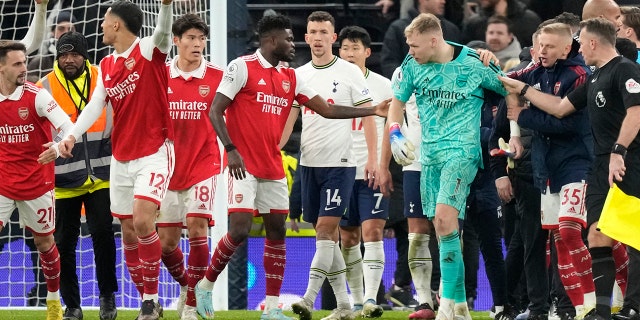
486 56
385 4
515 145
49 154
616 168
236 166
66 145
42 1
512 85
167 1
294 225
382 108
384 181
401 148
371 172
505 190
513 112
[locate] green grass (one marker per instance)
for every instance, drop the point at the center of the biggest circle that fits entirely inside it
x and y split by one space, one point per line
220 315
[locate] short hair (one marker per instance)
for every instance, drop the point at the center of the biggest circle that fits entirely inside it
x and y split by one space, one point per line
423 23
497 19
557 28
270 23
9 45
569 19
631 18
321 16
130 14
189 21
534 36
602 28
355 33
627 48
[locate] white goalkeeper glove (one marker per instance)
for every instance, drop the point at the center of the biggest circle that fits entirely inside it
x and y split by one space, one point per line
401 148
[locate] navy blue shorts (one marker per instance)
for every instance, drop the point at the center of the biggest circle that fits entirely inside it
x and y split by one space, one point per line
412 199
325 191
366 203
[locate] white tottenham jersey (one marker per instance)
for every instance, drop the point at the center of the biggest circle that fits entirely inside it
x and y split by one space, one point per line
327 142
380 89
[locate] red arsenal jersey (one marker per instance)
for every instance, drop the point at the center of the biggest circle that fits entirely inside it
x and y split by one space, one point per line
196 143
22 133
258 113
137 90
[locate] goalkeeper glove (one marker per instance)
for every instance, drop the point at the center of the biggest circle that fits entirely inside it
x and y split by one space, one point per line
504 151
401 148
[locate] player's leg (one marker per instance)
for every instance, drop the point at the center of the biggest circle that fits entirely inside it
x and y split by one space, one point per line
272 201
621 259
100 224
242 195
38 215
66 236
602 264
170 221
419 255
350 237
152 174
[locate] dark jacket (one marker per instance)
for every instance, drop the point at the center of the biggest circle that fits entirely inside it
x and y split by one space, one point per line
524 23
562 149
395 49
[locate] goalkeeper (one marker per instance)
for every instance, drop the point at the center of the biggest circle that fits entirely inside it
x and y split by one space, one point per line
447 79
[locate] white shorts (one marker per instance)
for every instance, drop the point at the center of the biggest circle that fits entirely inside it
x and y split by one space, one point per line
568 205
197 201
38 215
257 195
146 178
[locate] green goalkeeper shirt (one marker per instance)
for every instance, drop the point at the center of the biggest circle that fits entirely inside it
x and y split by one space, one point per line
449 98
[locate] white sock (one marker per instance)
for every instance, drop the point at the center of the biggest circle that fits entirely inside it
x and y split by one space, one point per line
353 260
618 297
320 266
270 302
373 267
205 284
147 296
590 299
337 277
420 265
53 295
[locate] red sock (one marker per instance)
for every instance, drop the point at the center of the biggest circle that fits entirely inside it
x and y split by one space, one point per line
150 251
274 260
221 256
571 233
568 274
197 265
50 262
174 262
621 260
133 264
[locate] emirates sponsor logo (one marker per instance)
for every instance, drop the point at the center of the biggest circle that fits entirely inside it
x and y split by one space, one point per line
130 63
204 90
286 85
23 112
239 197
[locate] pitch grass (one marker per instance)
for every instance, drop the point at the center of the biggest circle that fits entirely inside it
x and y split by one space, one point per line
219 315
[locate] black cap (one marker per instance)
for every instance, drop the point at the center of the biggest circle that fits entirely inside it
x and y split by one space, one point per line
72 41
64 15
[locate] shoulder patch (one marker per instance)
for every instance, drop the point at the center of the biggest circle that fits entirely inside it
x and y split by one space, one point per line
632 86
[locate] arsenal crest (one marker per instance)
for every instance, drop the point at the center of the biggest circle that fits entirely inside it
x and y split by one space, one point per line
238 197
286 85
556 88
23 112
129 63
204 90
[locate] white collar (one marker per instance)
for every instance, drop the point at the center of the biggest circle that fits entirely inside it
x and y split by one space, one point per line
174 72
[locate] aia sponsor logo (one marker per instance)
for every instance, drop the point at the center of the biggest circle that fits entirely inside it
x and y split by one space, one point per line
23 113
204 90
130 63
286 85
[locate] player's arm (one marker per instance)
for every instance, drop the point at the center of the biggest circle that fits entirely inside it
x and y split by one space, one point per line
628 132
89 115
37 29
288 127
548 103
384 180
47 107
320 106
371 139
161 37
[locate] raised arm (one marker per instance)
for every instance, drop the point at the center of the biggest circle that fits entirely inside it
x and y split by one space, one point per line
37 29
548 103
162 33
